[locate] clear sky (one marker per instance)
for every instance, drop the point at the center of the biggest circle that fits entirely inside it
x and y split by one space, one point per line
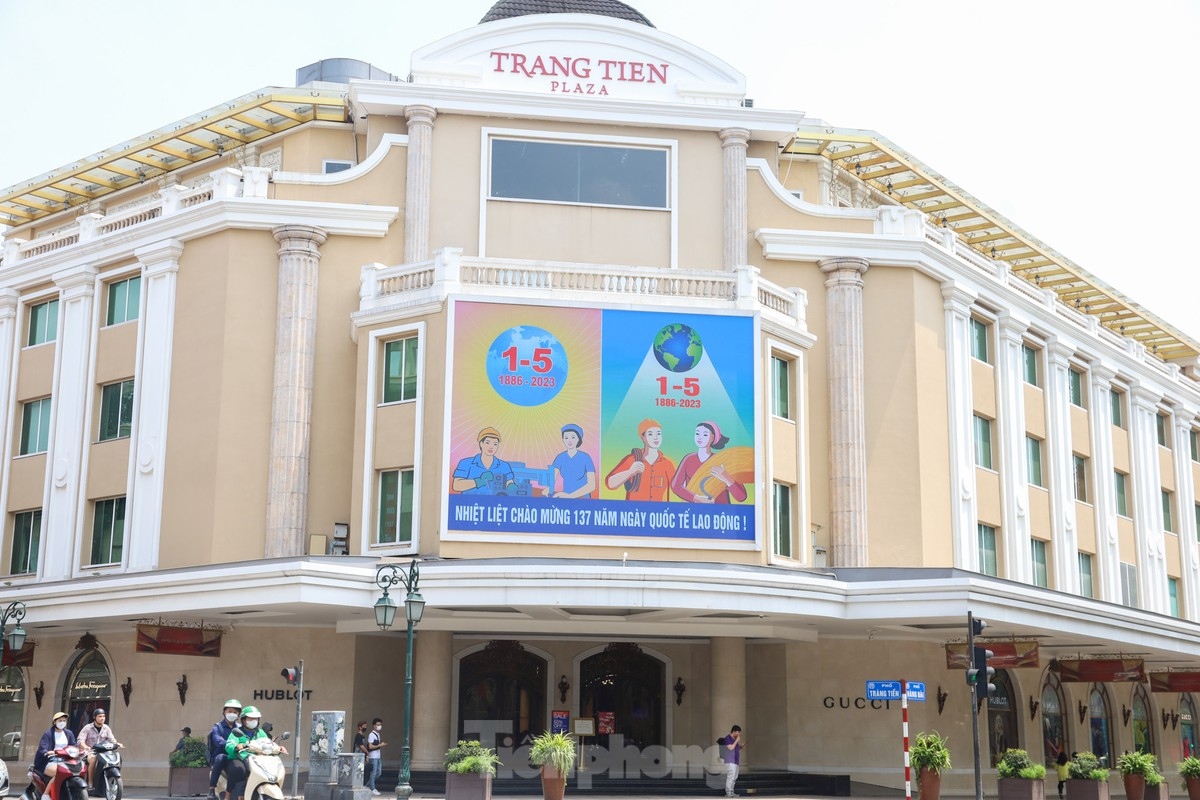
1073 118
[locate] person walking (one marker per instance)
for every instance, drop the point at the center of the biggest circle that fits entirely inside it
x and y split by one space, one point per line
360 746
375 743
731 754
1064 772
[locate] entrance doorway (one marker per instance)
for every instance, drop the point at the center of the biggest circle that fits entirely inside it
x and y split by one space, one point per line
89 686
503 682
625 686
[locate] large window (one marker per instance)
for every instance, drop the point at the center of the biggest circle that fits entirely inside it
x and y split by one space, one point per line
116 410
1099 727
983 442
1117 402
1029 365
1173 595
1054 720
1033 459
1129 585
1161 426
1080 476
123 300
1187 726
781 506
1075 386
108 531
1194 444
27 538
1041 572
400 370
1087 586
1168 508
781 387
43 323
35 426
979 341
1121 484
567 172
395 507
1143 730
987 549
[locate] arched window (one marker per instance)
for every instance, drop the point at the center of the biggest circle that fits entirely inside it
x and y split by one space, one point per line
12 711
1143 731
629 685
503 682
1002 717
1054 721
89 686
1187 726
1100 725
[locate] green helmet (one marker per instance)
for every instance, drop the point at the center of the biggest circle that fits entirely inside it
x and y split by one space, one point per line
251 712
233 703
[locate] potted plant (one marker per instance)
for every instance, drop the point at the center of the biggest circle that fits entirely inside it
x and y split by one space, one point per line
1020 777
1156 787
555 754
1088 780
1189 770
1135 768
188 775
470 768
928 755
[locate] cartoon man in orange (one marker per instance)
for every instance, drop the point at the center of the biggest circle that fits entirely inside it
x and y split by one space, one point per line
646 473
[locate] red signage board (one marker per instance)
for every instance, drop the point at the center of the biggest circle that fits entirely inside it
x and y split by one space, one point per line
19 658
168 640
1175 681
1100 670
606 722
1007 655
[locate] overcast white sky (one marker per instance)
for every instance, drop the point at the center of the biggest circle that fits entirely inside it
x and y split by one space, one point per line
1074 118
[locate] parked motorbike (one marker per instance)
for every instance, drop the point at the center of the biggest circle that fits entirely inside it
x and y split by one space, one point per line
106 774
265 768
69 781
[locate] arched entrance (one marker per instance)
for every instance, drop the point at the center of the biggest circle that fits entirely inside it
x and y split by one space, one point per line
1143 731
630 685
1002 717
1187 726
1054 721
88 686
12 712
1100 724
503 682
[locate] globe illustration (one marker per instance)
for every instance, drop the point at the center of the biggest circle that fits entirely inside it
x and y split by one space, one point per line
678 348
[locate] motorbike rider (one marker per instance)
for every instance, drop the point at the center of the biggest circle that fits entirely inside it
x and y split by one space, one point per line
58 736
216 743
95 734
235 748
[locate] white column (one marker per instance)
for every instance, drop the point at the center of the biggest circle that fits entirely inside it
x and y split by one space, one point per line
1059 454
1185 515
1147 501
433 667
291 402
69 433
9 301
847 410
156 330
963 512
736 234
1014 477
1106 578
420 174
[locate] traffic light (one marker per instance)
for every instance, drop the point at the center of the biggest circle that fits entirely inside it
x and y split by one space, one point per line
291 675
980 674
977 626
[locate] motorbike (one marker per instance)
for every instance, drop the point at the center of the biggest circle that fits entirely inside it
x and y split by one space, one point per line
265 767
69 781
106 774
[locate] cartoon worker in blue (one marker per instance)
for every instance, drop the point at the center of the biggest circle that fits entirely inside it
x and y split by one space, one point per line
484 473
573 466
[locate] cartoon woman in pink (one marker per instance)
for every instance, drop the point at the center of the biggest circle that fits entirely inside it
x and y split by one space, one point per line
708 439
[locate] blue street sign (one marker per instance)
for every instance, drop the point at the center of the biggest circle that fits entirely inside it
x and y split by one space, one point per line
883 690
916 690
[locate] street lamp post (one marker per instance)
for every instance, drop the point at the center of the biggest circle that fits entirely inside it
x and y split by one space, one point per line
386 577
14 639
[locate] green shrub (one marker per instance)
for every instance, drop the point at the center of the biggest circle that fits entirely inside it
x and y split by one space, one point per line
1189 767
1138 763
929 751
193 754
555 749
1085 766
468 757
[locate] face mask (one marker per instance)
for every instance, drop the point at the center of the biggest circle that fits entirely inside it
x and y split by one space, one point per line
378 727
231 717
61 724
251 724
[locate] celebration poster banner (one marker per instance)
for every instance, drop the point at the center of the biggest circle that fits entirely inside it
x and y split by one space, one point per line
587 421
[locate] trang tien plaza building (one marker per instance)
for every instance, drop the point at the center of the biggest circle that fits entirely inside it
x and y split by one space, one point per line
692 412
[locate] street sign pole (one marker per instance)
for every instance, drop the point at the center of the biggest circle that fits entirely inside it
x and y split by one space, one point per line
904 729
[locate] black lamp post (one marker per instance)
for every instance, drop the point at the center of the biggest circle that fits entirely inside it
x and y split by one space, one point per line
14 639
387 576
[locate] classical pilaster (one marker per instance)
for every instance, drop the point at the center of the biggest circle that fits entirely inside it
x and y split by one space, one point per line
1059 467
736 232
1185 515
433 653
1014 478
291 402
69 434
1147 500
847 410
420 174
727 666
959 407
9 300
825 182
160 266
1106 574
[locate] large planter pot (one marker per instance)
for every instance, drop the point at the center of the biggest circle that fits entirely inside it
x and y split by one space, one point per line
471 786
1021 789
1193 788
1135 787
929 782
187 781
554 783
1078 789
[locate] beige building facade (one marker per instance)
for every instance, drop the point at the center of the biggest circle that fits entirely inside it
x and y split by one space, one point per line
693 414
